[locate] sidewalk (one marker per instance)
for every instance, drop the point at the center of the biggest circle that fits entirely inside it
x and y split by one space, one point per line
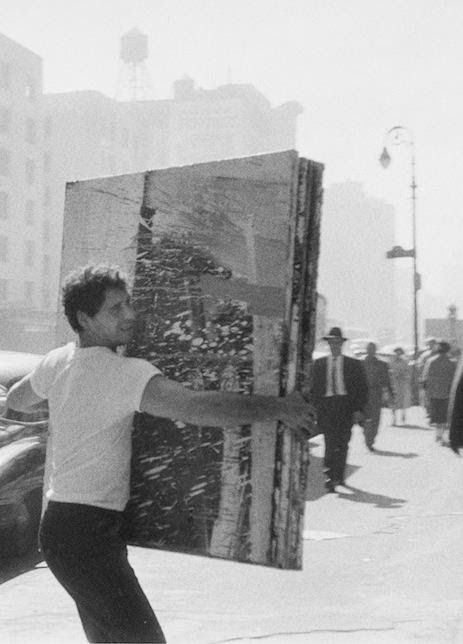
382 562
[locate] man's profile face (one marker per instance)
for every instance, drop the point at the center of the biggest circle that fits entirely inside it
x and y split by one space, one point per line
335 345
113 325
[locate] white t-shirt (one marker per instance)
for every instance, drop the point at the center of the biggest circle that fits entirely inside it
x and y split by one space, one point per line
92 395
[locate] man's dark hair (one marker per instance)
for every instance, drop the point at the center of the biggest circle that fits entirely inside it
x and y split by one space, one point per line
84 290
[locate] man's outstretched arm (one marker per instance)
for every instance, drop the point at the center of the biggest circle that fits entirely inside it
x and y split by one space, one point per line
169 399
21 396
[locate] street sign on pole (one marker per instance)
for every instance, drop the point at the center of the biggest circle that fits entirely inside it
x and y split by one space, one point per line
398 251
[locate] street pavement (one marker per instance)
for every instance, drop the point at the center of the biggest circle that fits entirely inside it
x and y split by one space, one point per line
382 563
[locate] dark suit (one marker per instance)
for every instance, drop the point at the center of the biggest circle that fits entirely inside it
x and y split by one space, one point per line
377 373
456 409
335 413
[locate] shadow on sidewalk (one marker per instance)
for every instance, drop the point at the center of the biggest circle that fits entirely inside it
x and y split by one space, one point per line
425 428
316 478
385 452
11 567
362 496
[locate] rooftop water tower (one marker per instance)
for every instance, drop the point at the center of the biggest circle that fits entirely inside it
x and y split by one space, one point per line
134 82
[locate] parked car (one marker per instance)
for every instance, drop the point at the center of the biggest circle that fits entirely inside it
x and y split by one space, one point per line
22 458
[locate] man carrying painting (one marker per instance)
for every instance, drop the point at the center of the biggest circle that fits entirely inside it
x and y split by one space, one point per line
93 393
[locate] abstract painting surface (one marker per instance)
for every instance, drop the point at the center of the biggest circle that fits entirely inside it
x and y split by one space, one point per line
222 259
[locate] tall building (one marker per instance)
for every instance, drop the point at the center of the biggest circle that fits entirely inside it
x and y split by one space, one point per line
86 135
199 125
354 275
24 252
229 121
21 168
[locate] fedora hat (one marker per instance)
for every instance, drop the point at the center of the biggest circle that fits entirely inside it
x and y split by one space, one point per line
334 333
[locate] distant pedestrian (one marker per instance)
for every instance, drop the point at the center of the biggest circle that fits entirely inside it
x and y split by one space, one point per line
379 384
399 370
429 352
340 393
437 378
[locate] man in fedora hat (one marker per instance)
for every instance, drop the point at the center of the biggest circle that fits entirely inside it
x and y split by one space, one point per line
340 393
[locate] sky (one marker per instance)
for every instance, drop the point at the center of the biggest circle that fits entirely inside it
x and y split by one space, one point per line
358 68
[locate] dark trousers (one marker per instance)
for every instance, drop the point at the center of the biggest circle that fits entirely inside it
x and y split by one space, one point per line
84 550
335 421
372 419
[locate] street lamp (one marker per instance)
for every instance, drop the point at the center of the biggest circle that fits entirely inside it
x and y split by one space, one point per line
399 135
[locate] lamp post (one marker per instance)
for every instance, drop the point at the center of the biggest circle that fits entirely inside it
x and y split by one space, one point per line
399 135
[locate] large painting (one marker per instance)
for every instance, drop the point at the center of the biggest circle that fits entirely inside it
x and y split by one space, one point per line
222 259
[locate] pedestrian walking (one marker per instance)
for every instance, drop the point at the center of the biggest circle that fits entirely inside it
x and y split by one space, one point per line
437 378
399 370
379 386
429 352
340 392
93 393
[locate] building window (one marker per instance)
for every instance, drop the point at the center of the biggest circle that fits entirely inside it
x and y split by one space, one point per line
30 89
5 75
30 253
29 214
125 138
3 291
46 264
46 162
46 298
29 292
46 196
31 131
5 119
4 162
46 231
4 206
3 248
47 127
30 171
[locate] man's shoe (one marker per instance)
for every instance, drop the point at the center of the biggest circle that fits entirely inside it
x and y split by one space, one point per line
329 486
